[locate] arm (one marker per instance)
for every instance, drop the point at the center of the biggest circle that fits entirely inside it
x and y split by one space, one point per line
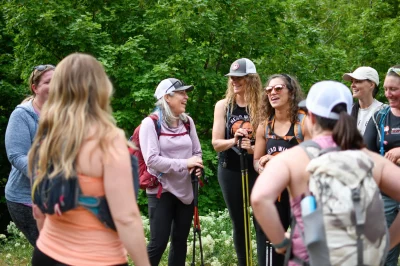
371 136
386 175
119 191
18 140
196 147
39 217
218 132
259 147
266 190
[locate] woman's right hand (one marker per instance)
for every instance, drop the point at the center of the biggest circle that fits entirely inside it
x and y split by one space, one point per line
263 161
194 161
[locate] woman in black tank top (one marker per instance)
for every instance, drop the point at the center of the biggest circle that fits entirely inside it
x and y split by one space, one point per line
236 116
282 127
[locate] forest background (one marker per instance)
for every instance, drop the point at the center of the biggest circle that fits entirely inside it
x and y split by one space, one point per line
141 42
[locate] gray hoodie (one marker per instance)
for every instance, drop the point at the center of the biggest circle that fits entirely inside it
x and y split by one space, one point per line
21 130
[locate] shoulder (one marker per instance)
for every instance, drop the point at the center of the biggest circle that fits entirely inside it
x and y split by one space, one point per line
221 104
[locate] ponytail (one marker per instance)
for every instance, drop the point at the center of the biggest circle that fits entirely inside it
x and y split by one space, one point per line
344 131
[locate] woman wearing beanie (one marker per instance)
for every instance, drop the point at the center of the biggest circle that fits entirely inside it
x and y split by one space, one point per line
364 84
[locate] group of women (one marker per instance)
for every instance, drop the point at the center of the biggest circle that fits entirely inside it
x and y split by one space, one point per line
76 135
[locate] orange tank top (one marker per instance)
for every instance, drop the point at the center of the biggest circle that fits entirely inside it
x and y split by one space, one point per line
77 237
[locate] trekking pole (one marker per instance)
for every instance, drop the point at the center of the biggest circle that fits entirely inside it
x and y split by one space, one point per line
245 195
196 219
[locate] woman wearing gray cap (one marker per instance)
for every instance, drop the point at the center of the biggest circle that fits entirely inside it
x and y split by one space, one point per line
364 84
235 117
171 152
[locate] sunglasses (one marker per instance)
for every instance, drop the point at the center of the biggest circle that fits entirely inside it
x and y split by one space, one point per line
180 83
41 68
395 70
278 88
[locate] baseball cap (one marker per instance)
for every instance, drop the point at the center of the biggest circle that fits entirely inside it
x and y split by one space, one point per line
324 96
242 67
363 73
170 85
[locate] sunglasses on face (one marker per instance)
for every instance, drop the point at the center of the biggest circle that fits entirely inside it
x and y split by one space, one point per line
278 88
41 68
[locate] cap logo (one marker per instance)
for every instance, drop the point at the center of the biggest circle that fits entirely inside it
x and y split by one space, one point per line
235 66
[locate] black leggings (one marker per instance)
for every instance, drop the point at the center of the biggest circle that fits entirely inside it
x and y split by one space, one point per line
40 259
23 218
169 217
231 186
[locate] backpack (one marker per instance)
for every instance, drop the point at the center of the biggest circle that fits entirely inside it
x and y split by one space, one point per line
147 180
58 195
348 226
381 116
298 128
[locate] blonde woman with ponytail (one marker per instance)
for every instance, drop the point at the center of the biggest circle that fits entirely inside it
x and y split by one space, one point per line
21 130
77 136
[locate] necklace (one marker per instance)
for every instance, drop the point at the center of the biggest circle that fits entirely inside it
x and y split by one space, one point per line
37 106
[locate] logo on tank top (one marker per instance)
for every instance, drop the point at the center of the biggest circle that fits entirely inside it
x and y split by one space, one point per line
275 150
395 130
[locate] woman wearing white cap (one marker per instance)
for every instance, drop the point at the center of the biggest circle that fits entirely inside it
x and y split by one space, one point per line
329 106
173 154
235 117
365 86
383 136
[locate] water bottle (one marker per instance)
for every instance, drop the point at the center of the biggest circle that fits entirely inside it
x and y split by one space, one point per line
308 205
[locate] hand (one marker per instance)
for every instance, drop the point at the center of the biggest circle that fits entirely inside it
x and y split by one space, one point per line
241 132
281 250
194 161
393 154
246 143
198 171
264 160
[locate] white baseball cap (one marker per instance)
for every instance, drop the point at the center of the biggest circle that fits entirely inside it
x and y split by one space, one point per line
170 85
242 67
324 96
363 73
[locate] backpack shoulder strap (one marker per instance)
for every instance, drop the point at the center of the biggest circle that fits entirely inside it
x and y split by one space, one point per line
157 124
311 147
268 127
379 119
299 126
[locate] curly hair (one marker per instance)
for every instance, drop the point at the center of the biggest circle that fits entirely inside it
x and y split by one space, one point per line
252 97
295 93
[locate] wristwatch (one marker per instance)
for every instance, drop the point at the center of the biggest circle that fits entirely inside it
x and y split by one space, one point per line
284 243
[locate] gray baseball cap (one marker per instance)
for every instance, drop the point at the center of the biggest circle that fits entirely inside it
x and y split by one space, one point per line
242 67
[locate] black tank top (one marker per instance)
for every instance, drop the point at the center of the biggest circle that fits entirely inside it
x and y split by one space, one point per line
238 116
278 144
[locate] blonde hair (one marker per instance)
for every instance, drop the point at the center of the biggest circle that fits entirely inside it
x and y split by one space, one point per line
167 115
252 97
79 99
35 78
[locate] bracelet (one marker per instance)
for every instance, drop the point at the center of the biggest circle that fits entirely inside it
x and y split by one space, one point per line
284 243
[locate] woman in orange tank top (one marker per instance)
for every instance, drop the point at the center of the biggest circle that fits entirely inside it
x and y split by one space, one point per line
77 136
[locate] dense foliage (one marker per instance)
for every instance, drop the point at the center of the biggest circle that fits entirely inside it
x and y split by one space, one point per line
142 42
